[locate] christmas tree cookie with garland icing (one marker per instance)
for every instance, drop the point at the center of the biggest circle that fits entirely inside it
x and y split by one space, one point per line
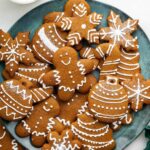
92 133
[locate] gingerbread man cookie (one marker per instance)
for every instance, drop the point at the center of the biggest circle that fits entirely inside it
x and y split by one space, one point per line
13 51
39 122
70 74
128 65
7 142
92 133
81 28
120 33
15 100
108 101
63 141
47 40
138 90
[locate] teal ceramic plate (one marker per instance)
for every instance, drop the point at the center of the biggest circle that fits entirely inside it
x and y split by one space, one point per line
32 20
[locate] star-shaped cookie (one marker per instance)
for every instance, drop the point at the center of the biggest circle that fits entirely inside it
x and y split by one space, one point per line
81 28
138 91
120 33
13 51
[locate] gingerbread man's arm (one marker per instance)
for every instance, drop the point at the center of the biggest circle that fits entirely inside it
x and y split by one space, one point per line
86 66
52 78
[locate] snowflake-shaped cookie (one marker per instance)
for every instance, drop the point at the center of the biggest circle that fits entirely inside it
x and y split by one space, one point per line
81 28
138 91
120 33
65 141
14 51
70 73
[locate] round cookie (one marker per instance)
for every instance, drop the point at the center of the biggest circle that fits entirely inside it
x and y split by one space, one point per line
120 33
108 100
15 100
13 51
7 142
39 122
63 141
46 41
138 90
92 133
70 73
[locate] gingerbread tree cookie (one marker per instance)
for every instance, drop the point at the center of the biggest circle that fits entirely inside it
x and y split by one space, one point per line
70 74
81 28
109 57
92 133
13 51
128 65
108 100
63 141
138 91
7 142
39 122
120 33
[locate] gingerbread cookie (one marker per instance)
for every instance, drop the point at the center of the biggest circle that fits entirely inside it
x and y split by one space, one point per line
76 8
70 73
120 33
46 41
7 142
65 119
63 141
92 133
110 57
128 65
15 100
138 90
81 28
39 122
108 100
88 53
124 120
13 51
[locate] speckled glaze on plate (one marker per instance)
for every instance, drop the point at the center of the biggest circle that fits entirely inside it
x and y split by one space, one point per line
32 20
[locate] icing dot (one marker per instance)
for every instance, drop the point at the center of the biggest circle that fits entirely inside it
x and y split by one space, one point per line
49 27
69 72
2 35
116 108
20 40
134 85
37 42
38 123
119 122
44 49
66 54
142 85
11 69
61 55
112 94
83 26
111 108
47 53
41 45
119 108
51 106
116 93
96 87
145 92
46 103
17 107
50 31
102 106
107 107
59 43
24 35
107 93
21 108
121 93
56 40
35 126
41 118
103 92
13 104
53 36
73 82
63 45
4 40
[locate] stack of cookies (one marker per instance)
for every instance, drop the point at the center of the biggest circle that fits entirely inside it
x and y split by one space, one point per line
50 88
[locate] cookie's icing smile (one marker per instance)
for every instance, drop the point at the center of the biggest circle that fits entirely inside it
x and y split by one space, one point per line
66 63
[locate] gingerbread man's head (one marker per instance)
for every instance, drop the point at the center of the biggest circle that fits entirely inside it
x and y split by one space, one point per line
65 57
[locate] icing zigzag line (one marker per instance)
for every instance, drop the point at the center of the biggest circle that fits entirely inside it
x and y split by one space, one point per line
81 84
63 121
50 124
57 76
83 108
81 67
14 145
18 91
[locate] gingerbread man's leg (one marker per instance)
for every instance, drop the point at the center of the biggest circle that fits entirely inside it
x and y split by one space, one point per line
90 81
38 140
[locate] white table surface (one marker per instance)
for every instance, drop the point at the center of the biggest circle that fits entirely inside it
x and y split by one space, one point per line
138 9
